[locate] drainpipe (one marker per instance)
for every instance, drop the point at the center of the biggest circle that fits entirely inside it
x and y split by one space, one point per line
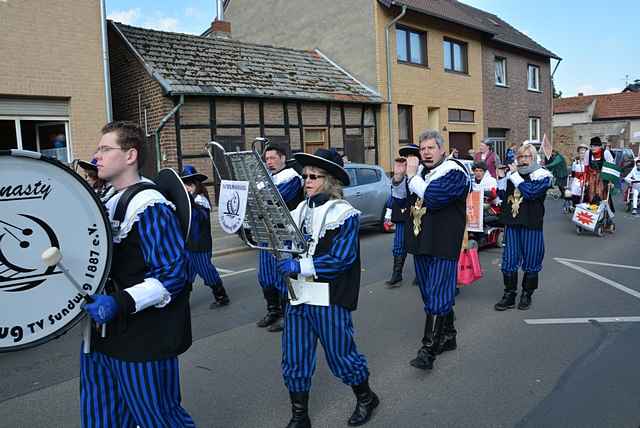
553 89
105 59
163 122
388 52
220 10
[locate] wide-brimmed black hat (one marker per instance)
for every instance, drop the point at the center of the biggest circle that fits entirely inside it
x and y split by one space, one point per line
328 160
409 150
89 166
292 163
189 173
596 141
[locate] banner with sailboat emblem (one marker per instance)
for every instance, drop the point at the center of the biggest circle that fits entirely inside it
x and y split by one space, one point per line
232 204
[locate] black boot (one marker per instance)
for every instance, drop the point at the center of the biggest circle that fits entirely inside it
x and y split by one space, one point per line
279 325
274 313
299 410
367 400
508 300
220 296
396 276
430 343
449 333
529 285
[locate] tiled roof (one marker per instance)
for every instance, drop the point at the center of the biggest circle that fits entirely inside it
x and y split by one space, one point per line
618 106
625 105
460 13
194 65
572 104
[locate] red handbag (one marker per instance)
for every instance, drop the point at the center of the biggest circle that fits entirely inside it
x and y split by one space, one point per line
469 269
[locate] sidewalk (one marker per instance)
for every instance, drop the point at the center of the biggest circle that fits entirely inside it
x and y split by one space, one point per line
224 243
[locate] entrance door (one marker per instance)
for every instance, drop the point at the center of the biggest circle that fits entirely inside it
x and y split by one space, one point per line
463 141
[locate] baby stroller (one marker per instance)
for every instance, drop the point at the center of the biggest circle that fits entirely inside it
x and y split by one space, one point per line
595 217
568 196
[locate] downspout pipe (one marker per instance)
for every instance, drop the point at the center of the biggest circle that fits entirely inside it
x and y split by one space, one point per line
387 28
105 59
553 90
163 122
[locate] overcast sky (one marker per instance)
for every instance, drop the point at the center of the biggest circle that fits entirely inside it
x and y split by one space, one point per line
598 41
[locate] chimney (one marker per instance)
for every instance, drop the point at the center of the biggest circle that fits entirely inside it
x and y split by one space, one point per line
219 27
580 94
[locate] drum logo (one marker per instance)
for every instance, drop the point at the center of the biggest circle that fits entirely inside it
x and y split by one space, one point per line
21 244
37 190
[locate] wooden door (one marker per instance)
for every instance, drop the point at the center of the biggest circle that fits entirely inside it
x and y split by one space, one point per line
463 141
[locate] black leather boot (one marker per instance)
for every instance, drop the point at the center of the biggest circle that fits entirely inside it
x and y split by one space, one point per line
299 410
529 285
449 333
430 343
279 325
274 312
220 296
396 277
508 300
367 400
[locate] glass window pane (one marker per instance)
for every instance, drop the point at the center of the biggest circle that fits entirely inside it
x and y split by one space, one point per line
458 64
500 71
53 140
403 123
466 115
401 45
447 55
454 115
8 138
417 48
366 176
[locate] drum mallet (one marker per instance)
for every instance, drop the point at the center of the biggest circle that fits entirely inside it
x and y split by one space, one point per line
53 257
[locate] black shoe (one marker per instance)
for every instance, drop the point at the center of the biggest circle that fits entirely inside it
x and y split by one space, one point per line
279 325
525 301
431 342
508 300
274 310
220 297
299 410
449 334
424 360
367 400
396 277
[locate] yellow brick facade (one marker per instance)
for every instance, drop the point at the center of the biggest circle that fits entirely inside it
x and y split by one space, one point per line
51 48
428 88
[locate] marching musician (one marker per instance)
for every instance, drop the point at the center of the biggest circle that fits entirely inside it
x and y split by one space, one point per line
400 212
523 192
131 377
330 225
91 175
437 194
199 244
289 184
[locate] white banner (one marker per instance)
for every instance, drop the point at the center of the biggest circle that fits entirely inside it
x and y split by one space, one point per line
232 204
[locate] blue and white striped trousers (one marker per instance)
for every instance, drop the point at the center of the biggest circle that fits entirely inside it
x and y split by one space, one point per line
399 248
523 248
268 275
200 264
123 394
437 281
304 325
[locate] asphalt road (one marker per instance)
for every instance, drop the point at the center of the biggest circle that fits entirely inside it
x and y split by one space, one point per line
570 361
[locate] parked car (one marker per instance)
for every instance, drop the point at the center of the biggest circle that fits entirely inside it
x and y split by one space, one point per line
624 159
368 192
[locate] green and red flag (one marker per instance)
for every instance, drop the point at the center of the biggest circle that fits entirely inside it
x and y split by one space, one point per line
610 172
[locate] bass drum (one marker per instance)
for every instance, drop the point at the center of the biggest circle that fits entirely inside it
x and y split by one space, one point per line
45 204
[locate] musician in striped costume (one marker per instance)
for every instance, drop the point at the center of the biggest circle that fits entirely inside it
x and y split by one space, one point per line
400 213
438 188
199 244
330 225
131 376
523 192
289 184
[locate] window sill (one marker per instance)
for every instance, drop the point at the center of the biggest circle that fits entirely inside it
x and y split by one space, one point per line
453 122
414 64
502 86
537 91
460 73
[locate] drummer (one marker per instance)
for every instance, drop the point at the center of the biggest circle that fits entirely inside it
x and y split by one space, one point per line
91 175
131 377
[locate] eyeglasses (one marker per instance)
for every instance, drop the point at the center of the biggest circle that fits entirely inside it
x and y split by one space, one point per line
524 157
106 149
311 176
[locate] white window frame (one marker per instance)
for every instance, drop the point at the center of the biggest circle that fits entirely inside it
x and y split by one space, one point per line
533 71
503 61
534 120
47 120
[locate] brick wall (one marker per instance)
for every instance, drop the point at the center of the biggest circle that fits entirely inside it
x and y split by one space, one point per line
49 52
134 91
510 107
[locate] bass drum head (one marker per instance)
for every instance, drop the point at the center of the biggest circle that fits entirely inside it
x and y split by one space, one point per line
44 204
